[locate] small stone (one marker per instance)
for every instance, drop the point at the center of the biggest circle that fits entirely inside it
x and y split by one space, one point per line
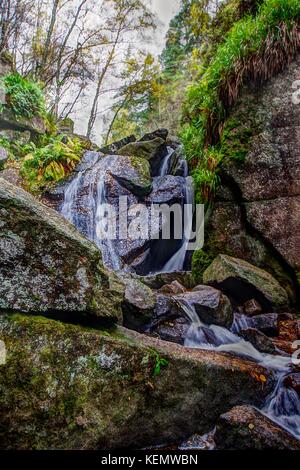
174 288
293 381
259 340
252 308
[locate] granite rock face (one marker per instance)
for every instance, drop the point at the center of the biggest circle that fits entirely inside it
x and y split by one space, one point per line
77 388
256 216
45 264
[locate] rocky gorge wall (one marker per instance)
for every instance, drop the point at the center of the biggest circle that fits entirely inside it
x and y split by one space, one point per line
256 214
73 379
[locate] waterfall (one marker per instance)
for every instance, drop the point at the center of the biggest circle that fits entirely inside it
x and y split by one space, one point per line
85 197
165 166
241 322
83 204
283 404
176 263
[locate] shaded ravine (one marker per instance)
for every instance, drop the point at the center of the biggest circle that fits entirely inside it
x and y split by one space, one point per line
283 404
90 222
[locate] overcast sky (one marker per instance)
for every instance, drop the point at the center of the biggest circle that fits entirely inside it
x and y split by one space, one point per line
165 10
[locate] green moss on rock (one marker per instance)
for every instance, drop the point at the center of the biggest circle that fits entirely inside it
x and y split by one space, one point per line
77 388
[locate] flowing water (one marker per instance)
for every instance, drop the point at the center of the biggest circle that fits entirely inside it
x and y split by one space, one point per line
89 187
88 190
85 197
165 166
176 263
283 404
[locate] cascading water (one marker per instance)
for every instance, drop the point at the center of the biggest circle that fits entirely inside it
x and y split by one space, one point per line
89 219
165 166
283 405
176 263
89 187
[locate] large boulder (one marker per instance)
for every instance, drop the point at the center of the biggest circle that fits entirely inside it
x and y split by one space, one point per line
245 428
134 174
167 190
46 265
72 387
211 305
139 303
152 150
256 213
243 281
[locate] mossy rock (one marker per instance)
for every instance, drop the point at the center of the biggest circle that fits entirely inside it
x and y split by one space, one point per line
134 174
244 281
143 149
46 265
77 388
201 260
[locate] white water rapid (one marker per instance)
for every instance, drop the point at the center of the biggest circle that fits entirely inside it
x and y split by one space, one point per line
283 404
88 217
84 200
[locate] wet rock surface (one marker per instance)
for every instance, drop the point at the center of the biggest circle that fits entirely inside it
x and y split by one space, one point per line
77 401
134 174
259 340
293 381
45 264
212 306
245 428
